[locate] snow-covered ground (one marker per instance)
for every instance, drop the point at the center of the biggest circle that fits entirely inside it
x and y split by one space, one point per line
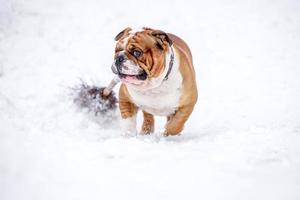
242 141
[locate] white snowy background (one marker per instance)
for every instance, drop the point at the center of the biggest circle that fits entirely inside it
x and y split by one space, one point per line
242 141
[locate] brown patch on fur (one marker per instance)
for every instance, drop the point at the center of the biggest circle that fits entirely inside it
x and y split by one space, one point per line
123 33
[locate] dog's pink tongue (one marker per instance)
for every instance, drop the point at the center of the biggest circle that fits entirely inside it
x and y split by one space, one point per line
131 79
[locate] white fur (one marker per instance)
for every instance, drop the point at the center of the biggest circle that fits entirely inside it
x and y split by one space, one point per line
135 30
159 96
129 67
129 126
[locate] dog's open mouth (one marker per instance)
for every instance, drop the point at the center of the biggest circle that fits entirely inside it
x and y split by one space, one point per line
142 76
130 77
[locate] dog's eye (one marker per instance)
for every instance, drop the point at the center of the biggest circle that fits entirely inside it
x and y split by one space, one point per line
136 53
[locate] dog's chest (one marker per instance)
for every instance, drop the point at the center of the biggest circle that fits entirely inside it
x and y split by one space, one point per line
161 101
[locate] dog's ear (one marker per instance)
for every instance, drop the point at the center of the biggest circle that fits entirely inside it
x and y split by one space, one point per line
162 38
122 33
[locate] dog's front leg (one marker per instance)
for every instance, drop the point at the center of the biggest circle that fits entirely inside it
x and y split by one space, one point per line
128 112
129 126
176 122
148 123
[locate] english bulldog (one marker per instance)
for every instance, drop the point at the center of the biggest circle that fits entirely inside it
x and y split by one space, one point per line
157 76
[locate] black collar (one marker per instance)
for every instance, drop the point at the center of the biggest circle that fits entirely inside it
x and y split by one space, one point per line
171 63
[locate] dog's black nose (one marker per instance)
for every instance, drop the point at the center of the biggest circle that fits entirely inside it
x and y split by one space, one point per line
119 60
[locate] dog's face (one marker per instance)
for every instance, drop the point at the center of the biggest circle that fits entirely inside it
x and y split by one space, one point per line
140 55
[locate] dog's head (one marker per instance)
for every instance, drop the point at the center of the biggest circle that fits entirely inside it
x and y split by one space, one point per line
140 56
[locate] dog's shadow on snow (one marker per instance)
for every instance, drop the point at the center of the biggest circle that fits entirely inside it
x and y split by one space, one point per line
192 136
187 136
114 131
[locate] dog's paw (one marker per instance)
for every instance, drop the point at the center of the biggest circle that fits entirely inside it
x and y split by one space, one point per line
147 130
166 133
130 133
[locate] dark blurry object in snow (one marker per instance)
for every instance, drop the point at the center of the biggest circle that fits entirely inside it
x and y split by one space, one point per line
99 100
92 98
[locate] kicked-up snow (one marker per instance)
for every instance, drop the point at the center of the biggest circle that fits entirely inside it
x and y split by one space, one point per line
241 142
